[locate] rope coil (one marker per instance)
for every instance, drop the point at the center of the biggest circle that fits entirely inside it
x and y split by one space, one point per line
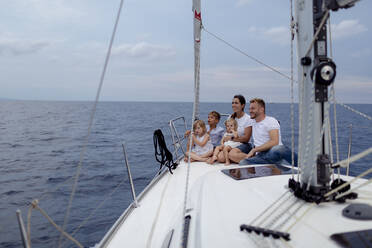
162 154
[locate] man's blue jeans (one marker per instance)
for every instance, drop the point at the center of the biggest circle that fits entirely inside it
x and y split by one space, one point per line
275 155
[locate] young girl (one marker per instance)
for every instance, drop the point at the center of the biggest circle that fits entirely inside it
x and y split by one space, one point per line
227 142
201 146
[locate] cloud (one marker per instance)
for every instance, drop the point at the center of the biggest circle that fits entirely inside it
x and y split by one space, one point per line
144 50
18 47
365 52
240 3
347 28
46 9
279 35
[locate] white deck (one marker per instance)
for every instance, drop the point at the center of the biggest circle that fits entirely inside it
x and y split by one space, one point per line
218 205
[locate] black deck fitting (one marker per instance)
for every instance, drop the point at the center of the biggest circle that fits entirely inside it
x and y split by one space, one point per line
265 232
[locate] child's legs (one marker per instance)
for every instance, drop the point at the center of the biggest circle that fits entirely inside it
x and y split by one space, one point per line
217 150
226 151
221 157
197 157
207 154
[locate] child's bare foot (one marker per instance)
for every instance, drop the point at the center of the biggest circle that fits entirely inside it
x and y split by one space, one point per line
227 163
212 159
185 159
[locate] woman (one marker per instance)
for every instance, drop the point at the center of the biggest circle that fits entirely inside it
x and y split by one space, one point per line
244 131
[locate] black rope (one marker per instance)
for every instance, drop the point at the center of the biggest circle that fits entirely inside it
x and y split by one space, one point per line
162 154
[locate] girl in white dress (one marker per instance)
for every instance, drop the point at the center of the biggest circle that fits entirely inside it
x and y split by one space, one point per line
227 142
201 147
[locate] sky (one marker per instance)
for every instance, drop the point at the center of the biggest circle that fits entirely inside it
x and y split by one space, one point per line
55 50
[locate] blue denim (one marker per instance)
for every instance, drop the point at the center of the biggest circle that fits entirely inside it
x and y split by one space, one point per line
245 147
275 155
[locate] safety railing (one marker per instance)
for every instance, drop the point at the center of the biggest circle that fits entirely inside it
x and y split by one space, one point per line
178 141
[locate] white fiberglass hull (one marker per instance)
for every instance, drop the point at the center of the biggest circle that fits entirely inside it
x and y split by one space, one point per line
219 205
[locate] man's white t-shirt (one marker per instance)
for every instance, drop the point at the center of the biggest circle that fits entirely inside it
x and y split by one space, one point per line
244 122
260 130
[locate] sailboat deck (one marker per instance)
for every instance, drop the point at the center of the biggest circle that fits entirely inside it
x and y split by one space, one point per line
219 204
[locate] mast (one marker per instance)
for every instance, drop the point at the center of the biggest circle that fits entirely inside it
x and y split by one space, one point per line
197 36
315 73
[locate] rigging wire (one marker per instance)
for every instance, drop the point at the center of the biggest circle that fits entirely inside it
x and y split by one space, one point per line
91 121
333 100
244 53
292 29
95 210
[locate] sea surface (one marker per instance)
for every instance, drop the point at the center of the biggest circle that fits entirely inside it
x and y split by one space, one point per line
41 144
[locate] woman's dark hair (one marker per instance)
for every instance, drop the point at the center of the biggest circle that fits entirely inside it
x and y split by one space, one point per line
242 101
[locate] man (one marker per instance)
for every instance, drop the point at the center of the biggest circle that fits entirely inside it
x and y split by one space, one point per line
268 146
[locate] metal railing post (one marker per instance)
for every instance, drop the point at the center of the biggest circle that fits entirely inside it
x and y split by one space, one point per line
130 176
349 150
25 241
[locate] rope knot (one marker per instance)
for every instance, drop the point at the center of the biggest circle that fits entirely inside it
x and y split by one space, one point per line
34 203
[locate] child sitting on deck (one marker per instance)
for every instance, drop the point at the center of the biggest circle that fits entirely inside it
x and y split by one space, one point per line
227 142
213 129
201 146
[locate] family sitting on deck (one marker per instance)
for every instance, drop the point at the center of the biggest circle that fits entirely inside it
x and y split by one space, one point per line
211 143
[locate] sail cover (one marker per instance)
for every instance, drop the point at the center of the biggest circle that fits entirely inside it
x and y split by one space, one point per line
197 35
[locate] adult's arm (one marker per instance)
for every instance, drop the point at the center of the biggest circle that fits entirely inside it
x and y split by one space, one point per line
246 137
274 140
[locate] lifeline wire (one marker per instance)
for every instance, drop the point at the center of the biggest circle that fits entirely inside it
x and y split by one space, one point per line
91 121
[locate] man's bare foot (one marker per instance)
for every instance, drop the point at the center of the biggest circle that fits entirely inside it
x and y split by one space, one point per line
227 163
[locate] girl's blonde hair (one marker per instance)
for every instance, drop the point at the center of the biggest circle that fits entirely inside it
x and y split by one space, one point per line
235 123
201 124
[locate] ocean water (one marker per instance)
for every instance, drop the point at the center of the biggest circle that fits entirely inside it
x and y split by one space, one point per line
41 143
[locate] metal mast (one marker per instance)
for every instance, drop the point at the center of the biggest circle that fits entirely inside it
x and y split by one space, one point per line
315 73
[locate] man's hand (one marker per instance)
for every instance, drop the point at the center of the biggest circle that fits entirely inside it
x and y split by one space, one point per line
251 153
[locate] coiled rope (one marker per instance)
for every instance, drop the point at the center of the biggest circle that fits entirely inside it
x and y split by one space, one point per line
162 154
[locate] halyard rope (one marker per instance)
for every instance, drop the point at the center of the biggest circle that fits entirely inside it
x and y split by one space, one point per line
35 205
91 121
292 29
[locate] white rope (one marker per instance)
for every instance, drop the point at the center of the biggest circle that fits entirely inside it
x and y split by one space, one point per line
356 111
194 115
330 146
354 158
292 26
271 205
348 183
317 32
319 142
154 223
35 205
290 215
278 214
354 189
300 135
90 122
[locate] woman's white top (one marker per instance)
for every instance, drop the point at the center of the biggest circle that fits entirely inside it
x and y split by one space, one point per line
200 150
243 122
